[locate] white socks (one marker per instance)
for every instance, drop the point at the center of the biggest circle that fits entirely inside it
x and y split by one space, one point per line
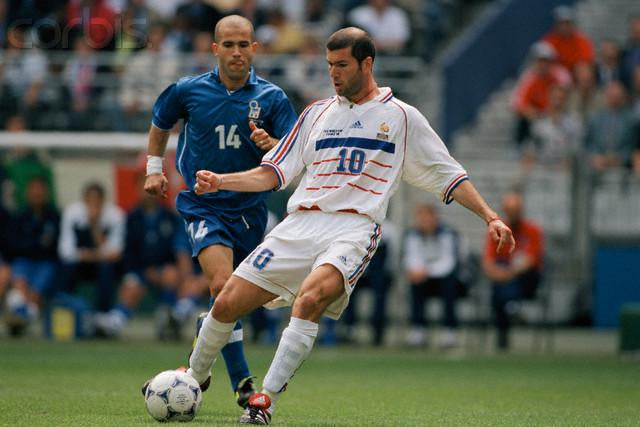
212 337
294 347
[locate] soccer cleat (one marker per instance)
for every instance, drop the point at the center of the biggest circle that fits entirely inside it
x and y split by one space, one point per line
244 391
257 410
203 387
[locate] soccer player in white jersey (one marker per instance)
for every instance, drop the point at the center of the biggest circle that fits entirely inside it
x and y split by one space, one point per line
352 149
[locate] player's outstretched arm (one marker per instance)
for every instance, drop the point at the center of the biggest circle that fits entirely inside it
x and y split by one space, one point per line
467 195
156 183
254 180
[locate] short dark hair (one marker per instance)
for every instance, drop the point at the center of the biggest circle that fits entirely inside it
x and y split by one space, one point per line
360 42
94 187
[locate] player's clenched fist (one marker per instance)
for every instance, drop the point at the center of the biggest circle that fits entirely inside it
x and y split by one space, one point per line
502 234
156 184
207 182
261 137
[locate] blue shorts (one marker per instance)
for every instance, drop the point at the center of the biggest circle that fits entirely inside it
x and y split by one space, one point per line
39 274
241 231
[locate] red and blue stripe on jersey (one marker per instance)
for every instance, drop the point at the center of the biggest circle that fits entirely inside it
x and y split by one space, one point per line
287 143
371 249
447 197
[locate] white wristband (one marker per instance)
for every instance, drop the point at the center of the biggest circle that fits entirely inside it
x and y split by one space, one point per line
154 165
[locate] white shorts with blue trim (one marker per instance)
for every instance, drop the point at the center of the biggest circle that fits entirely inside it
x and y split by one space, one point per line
302 242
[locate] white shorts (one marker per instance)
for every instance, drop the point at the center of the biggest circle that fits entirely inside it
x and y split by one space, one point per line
302 242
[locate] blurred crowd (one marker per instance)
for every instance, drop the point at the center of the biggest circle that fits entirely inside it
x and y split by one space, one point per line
118 55
64 60
575 97
93 255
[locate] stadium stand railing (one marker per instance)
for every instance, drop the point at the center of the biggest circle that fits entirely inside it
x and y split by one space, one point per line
408 76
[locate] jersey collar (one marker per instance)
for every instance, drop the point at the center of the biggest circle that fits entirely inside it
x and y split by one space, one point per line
385 95
252 80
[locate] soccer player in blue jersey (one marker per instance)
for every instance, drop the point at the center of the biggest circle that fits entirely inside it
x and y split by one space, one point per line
229 115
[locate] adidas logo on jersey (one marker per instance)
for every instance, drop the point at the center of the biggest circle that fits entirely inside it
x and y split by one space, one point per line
356 125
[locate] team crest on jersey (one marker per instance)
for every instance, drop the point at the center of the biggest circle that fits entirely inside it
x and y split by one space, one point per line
254 113
254 110
383 131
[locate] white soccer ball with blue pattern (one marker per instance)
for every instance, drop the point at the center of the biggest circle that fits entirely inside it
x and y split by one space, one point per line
173 396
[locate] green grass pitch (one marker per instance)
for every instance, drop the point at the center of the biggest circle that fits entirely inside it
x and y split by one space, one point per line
98 384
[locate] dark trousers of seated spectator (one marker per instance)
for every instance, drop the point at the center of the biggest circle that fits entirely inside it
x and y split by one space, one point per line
102 273
446 288
522 131
522 287
379 284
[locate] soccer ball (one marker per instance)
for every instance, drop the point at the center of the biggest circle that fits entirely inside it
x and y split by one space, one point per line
173 396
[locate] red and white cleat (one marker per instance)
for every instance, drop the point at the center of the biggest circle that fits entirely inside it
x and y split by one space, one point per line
257 410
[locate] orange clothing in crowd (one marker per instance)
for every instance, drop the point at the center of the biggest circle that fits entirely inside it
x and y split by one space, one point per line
571 50
533 88
529 241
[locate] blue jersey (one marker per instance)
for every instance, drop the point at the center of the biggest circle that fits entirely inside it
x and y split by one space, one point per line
154 238
216 129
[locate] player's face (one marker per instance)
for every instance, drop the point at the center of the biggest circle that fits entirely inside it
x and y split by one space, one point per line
345 72
235 50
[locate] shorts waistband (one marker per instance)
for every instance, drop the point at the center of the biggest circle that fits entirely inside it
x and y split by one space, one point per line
317 208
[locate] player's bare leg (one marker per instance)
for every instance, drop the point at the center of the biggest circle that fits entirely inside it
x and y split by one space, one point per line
217 264
323 286
237 298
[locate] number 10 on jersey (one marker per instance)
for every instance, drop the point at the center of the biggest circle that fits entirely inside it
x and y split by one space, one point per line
355 162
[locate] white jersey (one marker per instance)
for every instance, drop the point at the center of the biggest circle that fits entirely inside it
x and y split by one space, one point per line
75 225
353 156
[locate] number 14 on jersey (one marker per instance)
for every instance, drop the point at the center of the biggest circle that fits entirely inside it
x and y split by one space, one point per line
228 139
